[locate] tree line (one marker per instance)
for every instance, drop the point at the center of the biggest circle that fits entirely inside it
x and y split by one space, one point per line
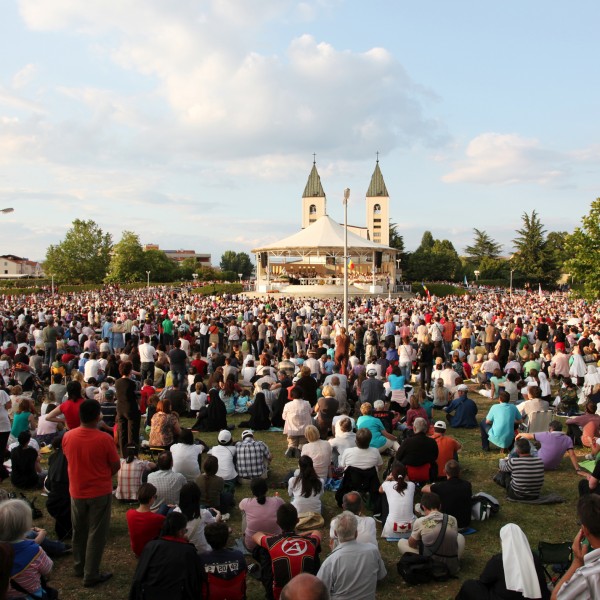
88 255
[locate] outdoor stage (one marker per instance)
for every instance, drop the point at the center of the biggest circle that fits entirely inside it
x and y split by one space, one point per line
328 291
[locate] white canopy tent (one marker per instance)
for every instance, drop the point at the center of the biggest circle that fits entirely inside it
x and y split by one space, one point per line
319 246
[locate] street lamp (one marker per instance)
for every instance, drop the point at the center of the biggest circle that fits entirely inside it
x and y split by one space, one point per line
346 197
52 284
477 273
148 279
511 272
240 275
195 277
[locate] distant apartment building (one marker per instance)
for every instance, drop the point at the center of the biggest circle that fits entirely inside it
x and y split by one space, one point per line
16 266
181 255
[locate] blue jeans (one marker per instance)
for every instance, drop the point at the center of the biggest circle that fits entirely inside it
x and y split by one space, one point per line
52 548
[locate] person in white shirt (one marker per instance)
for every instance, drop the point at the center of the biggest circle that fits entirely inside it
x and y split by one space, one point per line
225 453
186 455
366 526
343 440
362 456
92 368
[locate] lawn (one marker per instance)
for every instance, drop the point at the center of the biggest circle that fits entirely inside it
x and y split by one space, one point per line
553 523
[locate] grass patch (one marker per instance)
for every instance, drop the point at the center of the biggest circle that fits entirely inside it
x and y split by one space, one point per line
553 523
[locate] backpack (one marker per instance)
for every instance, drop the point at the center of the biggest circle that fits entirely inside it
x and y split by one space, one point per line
483 506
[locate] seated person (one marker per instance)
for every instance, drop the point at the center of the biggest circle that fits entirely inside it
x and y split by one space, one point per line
367 527
419 450
212 487
455 494
381 439
523 476
26 471
448 447
169 566
585 428
554 445
508 574
462 411
362 456
344 438
399 494
499 425
534 403
144 525
426 531
568 404
224 568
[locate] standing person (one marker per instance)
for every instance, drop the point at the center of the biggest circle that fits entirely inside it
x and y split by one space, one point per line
178 359
342 350
352 570
147 359
5 405
92 462
50 338
128 412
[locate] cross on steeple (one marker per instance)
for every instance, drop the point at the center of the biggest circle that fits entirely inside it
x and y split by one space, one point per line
377 153
314 158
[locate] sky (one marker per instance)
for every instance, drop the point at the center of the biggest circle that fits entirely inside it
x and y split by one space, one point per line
193 123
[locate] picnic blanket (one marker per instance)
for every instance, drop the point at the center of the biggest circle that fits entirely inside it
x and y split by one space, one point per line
547 499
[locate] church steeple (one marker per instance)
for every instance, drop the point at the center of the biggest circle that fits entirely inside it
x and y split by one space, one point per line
313 185
377 186
378 208
313 198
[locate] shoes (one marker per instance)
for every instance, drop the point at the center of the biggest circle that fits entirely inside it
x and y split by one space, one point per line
254 571
102 578
292 452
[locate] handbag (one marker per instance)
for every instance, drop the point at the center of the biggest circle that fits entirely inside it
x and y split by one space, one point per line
309 520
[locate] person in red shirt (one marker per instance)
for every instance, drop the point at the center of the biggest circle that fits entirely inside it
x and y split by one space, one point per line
92 461
145 393
69 408
290 553
143 524
200 365
448 447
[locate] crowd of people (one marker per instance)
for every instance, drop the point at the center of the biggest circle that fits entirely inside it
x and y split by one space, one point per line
101 379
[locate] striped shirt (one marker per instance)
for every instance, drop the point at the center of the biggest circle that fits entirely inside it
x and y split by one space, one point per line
527 475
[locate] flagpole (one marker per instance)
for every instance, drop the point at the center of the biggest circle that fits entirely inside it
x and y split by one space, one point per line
346 197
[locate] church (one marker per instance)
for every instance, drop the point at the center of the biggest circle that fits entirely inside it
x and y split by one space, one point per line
312 260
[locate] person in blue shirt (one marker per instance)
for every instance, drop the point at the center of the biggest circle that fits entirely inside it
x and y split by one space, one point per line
462 411
381 439
499 425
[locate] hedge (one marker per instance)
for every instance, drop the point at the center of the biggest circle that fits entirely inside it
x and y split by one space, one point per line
439 289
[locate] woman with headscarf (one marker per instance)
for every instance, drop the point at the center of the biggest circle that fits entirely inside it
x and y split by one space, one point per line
216 414
259 414
514 574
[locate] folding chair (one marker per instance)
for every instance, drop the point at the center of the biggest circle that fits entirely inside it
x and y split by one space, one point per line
557 557
539 421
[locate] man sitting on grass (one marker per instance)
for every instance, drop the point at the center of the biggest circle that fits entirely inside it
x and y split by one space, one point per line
522 476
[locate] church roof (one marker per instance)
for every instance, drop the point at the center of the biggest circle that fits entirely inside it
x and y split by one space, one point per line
324 234
377 186
313 188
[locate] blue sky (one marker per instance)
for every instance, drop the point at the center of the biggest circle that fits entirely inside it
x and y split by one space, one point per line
193 122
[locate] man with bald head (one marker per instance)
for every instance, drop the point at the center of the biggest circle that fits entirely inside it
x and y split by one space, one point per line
305 587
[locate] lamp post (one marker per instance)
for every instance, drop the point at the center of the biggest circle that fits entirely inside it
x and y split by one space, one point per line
148 279
511 272
52 284
346 197
476 273
240 275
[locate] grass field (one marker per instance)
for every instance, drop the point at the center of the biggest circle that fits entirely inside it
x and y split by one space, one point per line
553 523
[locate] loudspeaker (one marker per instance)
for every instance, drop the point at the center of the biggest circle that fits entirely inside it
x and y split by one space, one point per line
264 260
378 259
330 260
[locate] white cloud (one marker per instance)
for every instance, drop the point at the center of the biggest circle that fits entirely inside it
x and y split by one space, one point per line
24 76
494 158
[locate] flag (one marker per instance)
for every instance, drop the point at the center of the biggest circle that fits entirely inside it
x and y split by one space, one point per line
466 282
350 264
540 291
426 290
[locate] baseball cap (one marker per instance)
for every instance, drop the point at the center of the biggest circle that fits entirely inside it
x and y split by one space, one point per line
372 372
247 433
224 436
462 388
439 425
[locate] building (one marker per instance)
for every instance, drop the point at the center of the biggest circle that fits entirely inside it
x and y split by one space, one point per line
17 267
181 255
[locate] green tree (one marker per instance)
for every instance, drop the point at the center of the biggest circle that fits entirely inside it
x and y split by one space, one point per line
556 244
187 268
492 268
237 262
162 268
483 247
82 257
434 260
127 261
531 260
427 241
396 240
584 247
